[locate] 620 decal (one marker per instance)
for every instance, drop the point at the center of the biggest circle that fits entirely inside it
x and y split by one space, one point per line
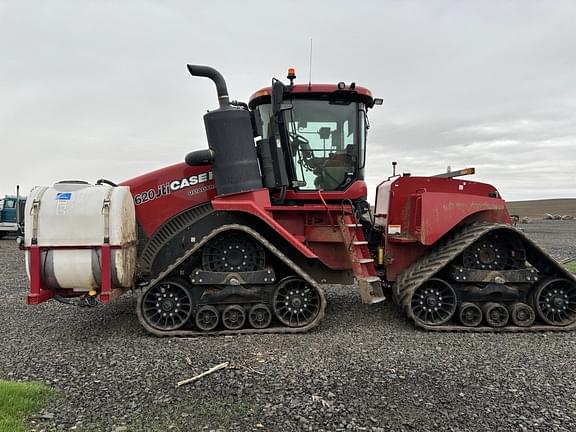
177 185
152 194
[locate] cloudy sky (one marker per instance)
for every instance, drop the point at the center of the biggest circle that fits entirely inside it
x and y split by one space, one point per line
92 89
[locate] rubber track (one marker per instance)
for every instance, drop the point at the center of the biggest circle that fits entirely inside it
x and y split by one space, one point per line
168 231
269 330
447 250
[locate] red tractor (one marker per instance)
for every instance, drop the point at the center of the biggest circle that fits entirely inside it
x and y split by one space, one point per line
242 236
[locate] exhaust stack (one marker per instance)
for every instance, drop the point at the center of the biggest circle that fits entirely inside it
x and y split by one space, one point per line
230 140
216 77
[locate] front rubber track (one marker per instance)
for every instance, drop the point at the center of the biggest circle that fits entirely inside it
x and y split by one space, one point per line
270 330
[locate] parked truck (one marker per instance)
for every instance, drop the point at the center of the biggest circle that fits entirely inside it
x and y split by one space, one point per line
11 214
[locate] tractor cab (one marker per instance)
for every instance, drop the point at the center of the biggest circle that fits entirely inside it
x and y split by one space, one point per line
321 129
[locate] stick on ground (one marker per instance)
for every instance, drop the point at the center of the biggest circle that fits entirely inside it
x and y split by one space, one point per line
203 374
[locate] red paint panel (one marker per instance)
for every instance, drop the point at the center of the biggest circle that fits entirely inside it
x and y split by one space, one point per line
38 293
332 255
106 284
162 194
427 208
356 190
256 203
401 256
440 212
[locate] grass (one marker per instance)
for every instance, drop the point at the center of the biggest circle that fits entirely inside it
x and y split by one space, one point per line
18 400
215 413
571 266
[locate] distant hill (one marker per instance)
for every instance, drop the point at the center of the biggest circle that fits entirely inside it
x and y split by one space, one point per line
536 209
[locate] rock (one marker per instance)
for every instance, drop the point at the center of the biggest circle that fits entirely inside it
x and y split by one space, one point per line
369 366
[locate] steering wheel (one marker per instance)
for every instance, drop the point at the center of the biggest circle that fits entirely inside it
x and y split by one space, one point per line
298 141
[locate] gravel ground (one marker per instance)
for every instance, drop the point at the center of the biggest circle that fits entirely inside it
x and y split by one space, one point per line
364 368
557 237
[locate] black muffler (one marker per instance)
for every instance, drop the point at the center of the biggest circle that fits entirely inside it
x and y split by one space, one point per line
230 140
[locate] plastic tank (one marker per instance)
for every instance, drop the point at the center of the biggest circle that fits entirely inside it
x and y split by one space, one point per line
73 215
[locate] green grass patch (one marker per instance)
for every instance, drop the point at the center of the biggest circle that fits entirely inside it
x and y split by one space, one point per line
571 266
18 400
186 415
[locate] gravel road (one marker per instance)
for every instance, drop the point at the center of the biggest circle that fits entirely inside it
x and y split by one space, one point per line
364 368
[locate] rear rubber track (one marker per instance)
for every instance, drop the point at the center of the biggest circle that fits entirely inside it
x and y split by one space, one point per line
445 252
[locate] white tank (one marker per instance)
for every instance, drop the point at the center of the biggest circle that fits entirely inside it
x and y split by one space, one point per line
74 214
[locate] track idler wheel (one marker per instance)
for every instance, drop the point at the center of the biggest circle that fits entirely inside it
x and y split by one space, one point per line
495 314
555 301
296 303
166 305
260 316
207 318
433 302
522 315
234 317
470 314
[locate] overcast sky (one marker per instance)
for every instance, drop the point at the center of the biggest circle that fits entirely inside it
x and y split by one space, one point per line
100 89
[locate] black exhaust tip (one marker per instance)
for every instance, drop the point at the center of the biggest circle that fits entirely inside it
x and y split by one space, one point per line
216 77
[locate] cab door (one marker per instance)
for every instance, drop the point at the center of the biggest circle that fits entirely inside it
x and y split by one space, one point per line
8 212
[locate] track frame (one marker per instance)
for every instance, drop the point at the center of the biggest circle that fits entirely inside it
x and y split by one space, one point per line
446 250
197 246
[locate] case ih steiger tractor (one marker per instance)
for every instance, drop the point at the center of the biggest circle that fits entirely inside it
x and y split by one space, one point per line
242 236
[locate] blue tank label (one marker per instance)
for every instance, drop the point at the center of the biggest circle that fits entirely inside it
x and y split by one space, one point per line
64 196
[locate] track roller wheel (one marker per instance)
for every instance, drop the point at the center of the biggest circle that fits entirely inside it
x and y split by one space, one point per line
167 305
522 315
207 318
296 303
433 302
234 317
496 314
260 316
470 314
555 301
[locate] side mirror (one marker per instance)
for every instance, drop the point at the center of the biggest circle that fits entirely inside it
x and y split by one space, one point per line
378 101
278 105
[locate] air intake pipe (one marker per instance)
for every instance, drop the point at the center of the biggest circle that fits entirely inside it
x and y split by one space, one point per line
230 141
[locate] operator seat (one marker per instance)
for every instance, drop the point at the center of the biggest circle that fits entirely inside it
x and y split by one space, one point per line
333 171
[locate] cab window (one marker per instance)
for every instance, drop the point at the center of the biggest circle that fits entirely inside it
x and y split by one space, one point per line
324 141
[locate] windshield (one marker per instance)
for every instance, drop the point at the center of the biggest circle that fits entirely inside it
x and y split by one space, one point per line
326 141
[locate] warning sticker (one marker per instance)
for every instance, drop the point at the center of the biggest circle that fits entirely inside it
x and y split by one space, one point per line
394 229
